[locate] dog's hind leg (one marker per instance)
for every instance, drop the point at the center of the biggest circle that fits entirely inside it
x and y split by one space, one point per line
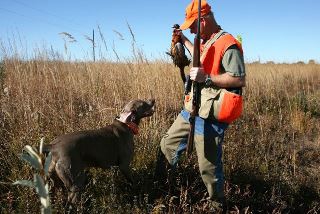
72 176
52 167
55 181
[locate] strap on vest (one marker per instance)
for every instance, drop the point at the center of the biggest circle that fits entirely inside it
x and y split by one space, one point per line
209 43
237 90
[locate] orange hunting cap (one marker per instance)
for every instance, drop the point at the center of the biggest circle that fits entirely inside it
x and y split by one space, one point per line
192 12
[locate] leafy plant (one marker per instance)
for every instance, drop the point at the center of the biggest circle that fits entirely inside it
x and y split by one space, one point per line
41 164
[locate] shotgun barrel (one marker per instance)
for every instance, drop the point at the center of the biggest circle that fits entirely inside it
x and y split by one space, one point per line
196 90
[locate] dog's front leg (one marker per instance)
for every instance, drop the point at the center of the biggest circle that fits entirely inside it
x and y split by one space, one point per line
125 170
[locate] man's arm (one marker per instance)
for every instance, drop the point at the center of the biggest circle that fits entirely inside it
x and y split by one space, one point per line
234 75
225 80
187 43
233 65
228 81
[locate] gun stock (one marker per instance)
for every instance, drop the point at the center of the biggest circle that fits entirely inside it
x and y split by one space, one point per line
196 94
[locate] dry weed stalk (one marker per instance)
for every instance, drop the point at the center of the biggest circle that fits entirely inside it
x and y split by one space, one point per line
49 98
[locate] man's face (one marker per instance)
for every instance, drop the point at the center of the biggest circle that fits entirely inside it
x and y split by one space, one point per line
193 27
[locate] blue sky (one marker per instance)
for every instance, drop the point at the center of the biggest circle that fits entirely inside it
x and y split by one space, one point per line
280 31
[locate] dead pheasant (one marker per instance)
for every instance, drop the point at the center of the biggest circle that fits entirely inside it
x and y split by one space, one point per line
177 53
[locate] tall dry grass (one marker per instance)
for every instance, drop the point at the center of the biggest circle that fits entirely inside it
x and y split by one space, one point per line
270 154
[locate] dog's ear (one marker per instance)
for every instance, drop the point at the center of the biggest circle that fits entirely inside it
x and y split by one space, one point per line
128 116
125 116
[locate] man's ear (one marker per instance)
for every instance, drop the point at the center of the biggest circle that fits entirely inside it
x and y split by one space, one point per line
203 21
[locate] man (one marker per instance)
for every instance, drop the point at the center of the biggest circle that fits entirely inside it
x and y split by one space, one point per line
221 78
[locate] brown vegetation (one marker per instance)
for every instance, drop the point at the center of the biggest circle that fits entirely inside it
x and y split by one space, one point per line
271 154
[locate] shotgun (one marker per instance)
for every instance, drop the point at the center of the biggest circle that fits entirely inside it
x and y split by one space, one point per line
196 90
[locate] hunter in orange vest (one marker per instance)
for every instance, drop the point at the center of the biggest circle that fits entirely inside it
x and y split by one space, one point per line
221 77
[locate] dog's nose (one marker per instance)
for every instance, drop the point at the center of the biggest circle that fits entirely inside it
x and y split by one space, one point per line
151 101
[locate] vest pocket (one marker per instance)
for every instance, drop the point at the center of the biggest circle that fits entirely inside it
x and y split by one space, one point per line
208 98
217 104
230 106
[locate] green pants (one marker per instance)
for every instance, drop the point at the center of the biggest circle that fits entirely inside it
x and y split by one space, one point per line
208 144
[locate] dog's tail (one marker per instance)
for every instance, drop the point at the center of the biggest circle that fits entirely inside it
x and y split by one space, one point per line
46 148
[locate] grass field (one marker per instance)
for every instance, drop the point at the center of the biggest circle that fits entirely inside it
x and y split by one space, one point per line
271 154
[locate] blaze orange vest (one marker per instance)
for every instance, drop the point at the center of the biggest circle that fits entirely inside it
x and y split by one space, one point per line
228 107
211 56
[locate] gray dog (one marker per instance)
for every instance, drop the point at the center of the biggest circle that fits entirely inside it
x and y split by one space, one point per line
105 147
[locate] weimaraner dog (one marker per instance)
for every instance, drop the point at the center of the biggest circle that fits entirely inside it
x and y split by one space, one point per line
109 146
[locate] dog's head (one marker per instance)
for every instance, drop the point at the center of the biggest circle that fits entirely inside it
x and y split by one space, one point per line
135 110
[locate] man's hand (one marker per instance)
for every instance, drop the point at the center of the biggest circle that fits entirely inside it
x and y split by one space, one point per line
185 41
197 74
